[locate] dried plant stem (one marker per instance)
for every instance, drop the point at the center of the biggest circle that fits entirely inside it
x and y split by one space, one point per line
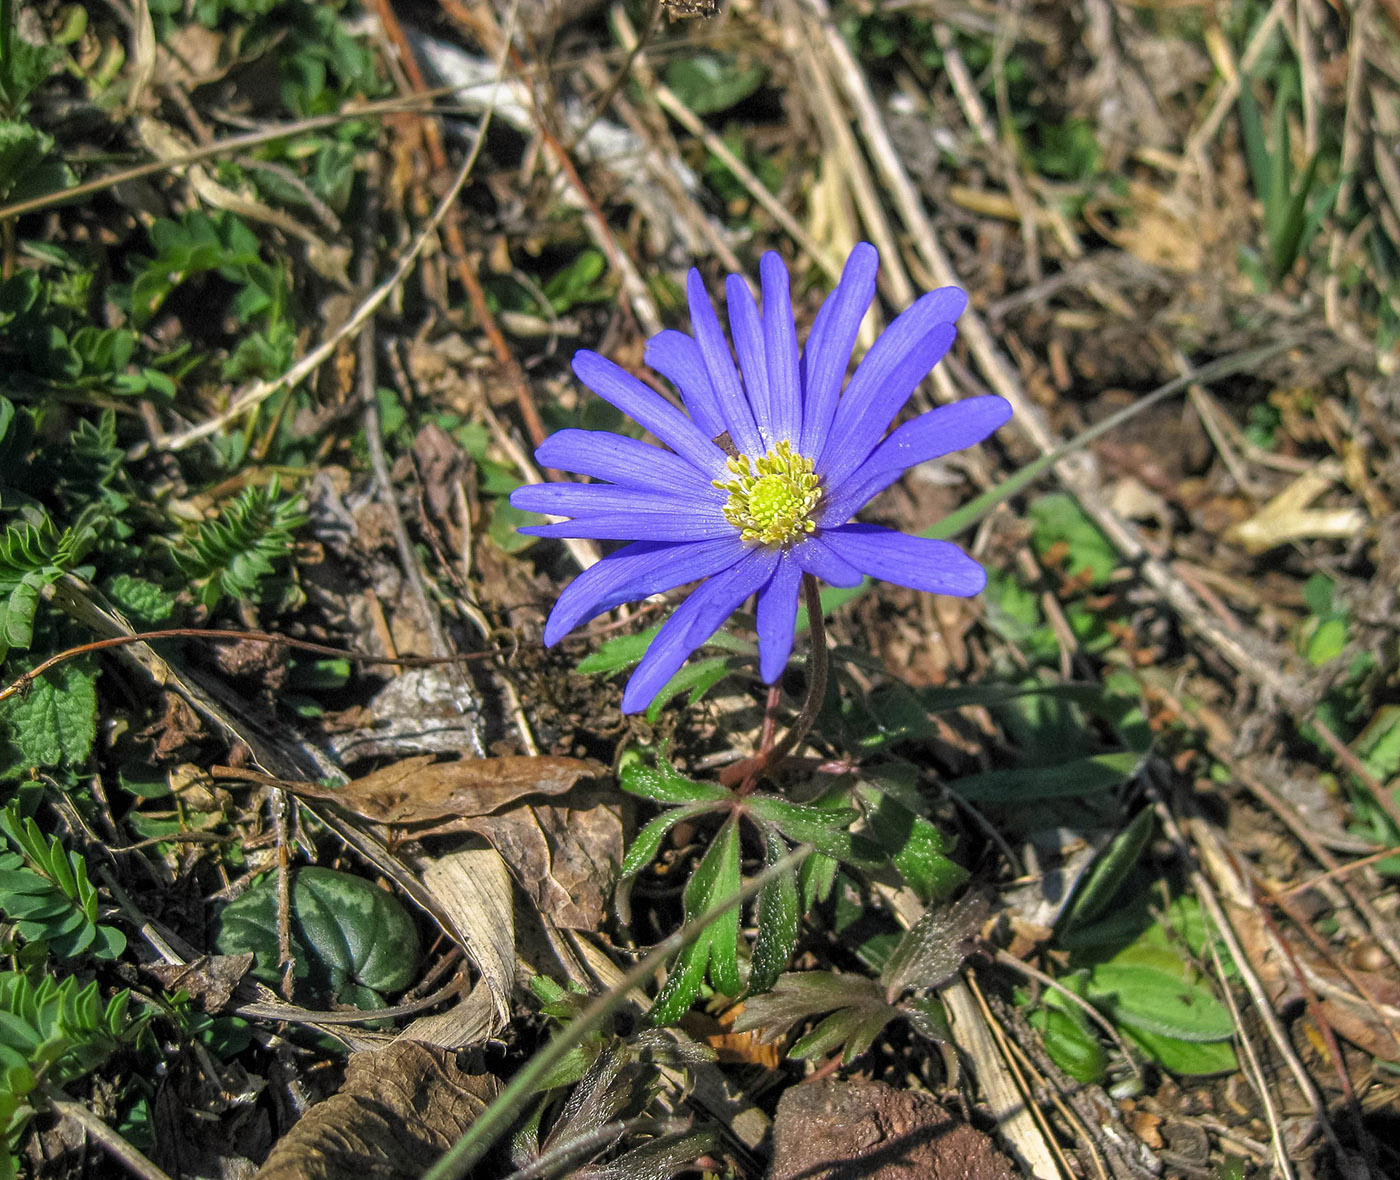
103 1135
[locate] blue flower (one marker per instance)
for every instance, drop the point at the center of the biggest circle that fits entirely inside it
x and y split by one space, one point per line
765 467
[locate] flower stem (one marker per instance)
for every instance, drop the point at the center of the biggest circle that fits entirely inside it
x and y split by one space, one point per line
769 757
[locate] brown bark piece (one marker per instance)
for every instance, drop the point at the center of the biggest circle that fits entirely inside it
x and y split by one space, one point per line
400 1108
861 1130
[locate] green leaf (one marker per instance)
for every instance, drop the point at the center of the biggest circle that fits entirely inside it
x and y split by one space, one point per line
1193 1058
1100 885
932 950
712 82
648 841
698 678
1069 1040
55 723
659 780
716 878
823 828
1058 520
778 918
141 601
622 651
347 934
1083 776
1156 1000
917 848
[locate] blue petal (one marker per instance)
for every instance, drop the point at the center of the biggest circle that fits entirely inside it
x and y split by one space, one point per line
714 349
635 526
649 408
816 557
634 572
677 358
745 328
780 344
916 562
886 378
621 460
833 335
777 617
693 622
592 499
938 432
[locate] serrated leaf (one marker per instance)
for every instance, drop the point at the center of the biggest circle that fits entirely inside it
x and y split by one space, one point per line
778 918
56 722
682 984
345 931
713 884
142 601
823 828
716 879
799 995
932 950
659 780
648 841
622 651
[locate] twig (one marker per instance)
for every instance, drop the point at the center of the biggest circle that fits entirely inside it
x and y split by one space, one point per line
374 439
23 682
223 147
101 1134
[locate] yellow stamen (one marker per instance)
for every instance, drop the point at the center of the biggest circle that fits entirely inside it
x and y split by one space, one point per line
771 500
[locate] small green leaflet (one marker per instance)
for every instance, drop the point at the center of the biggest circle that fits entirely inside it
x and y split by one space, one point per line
55 723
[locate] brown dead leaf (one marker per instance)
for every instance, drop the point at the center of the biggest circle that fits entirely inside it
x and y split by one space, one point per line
400 1108
420 790
210 979
564 857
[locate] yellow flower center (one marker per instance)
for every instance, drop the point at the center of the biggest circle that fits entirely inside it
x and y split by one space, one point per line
771 500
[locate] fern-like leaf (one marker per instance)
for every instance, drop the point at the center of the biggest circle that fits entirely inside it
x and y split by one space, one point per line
34 554
45 892
231 555
51 1032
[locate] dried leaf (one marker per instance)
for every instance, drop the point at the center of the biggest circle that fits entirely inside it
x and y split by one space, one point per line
565 857
209 979
400 1108
420 790
472 888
